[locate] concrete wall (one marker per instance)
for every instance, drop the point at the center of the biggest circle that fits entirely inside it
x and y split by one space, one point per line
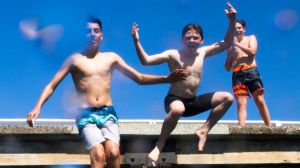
53 143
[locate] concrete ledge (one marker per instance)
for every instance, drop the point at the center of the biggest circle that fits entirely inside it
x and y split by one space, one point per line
280 130
145 127
58 143
150 127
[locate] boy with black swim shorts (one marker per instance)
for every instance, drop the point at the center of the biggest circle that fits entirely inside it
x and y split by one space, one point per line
181 99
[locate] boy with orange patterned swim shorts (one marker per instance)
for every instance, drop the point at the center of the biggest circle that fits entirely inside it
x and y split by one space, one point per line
245 77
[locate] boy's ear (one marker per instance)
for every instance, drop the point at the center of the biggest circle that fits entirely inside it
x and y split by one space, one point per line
101 36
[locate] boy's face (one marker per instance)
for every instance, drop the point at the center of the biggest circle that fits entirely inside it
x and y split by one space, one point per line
239 29
94 34
192 40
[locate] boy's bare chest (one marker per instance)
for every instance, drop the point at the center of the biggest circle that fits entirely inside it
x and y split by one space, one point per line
94 66
192 65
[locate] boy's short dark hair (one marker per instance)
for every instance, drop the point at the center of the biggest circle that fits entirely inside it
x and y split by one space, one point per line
194 26
93 19
242 22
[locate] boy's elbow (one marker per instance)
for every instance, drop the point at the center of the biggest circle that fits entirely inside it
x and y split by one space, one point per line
140 79
50 86
227 68
144 63
140 82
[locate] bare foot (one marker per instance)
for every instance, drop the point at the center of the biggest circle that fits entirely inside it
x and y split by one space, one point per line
151 163
154 154
202 135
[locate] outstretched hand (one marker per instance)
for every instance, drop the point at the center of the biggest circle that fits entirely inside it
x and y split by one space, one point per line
134 31
32 116
177 75
231 12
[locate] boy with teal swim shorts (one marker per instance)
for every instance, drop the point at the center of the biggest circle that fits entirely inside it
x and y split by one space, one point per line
91 72
97 124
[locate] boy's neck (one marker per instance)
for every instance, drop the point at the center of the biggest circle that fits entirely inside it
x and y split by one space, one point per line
91 52
240 37
189 53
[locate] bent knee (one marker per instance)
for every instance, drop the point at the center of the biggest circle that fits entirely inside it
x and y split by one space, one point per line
98 156
114 154
242 101
227 97
176 112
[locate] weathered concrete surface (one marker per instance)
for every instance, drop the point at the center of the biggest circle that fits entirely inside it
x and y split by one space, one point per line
281 130
126 128
227 146
152 128
11 129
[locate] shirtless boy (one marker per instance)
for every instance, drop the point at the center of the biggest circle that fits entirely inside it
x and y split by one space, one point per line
91 72
181 99
245 76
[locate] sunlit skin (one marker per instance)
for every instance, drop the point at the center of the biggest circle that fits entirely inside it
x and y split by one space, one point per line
190 58
243 52
91 72
239 55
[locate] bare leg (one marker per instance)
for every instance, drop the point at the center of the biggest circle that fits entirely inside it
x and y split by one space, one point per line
170 122
220 101
242 110
97 156
262 107
112 154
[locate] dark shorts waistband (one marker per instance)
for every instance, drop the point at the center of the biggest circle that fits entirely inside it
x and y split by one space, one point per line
182 98
99 109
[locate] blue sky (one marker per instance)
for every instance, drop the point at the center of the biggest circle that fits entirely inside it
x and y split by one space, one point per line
27 66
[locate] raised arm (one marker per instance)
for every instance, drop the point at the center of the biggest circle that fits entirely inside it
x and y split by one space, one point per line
142 79
228 39
143 56
48 90
228 62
